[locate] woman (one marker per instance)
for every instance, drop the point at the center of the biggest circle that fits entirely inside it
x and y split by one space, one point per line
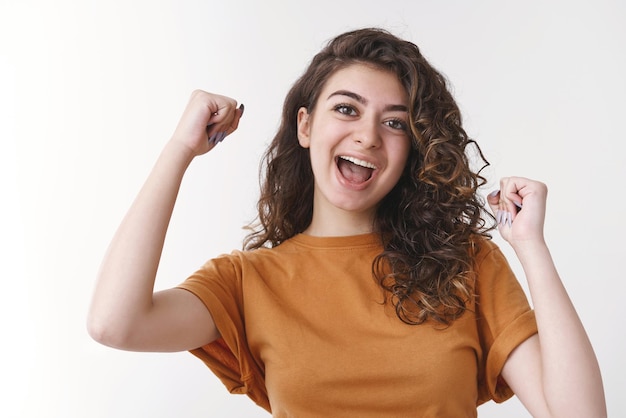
369 286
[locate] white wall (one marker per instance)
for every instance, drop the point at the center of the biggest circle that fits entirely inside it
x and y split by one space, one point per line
90 91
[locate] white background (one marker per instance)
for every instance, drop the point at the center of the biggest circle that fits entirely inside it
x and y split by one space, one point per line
91 90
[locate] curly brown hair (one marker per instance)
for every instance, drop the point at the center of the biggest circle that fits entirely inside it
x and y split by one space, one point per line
429 221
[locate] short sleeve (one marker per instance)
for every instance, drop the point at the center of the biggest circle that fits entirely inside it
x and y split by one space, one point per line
218 284
504 317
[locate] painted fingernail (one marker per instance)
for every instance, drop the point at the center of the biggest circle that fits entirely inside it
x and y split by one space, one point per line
509 218
241 108
219 136
212 138
498 216
519 205
494 193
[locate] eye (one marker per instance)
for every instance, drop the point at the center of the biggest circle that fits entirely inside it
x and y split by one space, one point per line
398 124
345 109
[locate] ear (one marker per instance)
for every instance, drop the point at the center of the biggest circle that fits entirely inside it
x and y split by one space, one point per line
304 128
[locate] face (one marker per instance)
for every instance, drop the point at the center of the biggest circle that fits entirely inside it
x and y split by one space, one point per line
358 139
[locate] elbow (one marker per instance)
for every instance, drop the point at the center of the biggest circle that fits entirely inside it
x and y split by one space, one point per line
96 330
105 331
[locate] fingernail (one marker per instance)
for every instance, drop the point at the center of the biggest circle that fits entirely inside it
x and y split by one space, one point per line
519 205
220 137
498 216
494 193
212 138
509 218
241 108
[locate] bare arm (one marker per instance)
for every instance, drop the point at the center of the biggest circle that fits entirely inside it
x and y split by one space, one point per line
125 312
555 373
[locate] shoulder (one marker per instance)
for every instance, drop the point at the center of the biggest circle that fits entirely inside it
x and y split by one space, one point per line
487 253
237 261
492 272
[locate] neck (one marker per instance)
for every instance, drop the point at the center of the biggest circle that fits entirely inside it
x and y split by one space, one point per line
339 223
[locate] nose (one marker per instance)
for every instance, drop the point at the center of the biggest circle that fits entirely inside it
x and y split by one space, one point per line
368 135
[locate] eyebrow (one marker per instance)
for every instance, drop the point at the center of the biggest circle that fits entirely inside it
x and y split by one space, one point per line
364 101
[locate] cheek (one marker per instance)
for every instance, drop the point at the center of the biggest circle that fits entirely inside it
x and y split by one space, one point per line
319 157
400 154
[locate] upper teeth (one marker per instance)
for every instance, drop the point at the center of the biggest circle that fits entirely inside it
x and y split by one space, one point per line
358 162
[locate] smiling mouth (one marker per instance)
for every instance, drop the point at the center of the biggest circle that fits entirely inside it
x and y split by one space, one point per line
354 170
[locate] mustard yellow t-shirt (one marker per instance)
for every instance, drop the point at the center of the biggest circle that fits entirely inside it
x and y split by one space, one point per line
304 333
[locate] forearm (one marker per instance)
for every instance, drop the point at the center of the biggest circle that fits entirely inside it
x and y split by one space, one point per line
125 281
571 377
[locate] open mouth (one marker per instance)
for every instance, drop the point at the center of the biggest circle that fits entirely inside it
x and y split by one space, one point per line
354 170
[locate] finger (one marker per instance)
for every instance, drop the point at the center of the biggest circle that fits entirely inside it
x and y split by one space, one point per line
493 199
234 124
221 117
495 203
221 109
510 200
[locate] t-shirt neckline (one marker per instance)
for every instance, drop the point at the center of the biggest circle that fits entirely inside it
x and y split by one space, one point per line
360 240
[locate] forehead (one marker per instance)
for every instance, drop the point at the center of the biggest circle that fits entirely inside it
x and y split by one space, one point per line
372 83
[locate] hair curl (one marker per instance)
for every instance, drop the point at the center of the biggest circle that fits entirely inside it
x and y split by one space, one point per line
429 221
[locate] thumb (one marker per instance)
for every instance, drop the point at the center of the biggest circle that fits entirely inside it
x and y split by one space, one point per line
493 199
502 216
